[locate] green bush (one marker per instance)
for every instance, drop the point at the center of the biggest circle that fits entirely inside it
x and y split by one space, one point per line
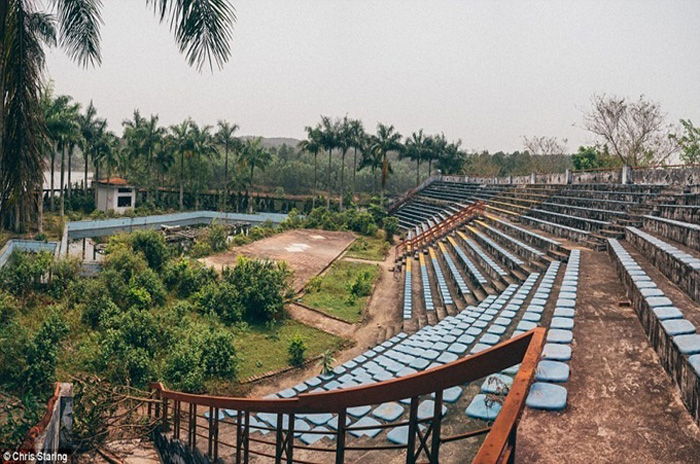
186 276
63 273
151 244
151 283
8 307
296 350
125 261
99 309
221 299
23 272
263 287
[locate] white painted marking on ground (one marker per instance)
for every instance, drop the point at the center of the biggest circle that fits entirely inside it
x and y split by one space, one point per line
297 248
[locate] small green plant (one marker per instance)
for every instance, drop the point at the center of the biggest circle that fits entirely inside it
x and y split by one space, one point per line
326 362
296 350
314 284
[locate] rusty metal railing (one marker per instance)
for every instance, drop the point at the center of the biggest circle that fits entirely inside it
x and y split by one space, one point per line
439 230
182 412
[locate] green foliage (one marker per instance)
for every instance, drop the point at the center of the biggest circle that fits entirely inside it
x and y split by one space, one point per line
23 272
152 245
63 273
29 359
263 287
187 276
149 282
689 142
8 308
326 362
391 227
124 261
593 158
222 299
296 350
205 352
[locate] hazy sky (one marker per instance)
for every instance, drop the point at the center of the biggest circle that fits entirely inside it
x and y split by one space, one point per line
488 72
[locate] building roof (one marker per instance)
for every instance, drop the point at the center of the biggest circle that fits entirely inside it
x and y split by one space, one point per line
113 181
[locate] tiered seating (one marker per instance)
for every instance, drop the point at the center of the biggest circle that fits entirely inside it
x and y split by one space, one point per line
512 261
454 272
476 327
553 369
491 267
523 249
674 338
408 292
538 240
444 291
425 283
680 267
682 232
468 265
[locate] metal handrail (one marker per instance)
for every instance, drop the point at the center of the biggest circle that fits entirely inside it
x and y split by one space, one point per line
498 445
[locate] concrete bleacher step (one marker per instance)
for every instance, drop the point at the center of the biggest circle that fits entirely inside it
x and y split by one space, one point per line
558 255
612 233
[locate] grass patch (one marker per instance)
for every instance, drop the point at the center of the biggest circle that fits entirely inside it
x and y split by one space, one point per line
262 349
374 249
343 291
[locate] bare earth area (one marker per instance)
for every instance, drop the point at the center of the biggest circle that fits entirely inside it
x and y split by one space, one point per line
306 251
622 406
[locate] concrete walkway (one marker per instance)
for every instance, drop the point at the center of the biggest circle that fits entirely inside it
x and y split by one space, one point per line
622 405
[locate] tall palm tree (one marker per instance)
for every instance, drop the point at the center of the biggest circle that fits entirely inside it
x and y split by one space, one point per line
328 142
358 141
312 145
343 137
387 140
224 138
371 159
437 144
452 159
90 128
416 149
55 111
203 148
202 30
182 142
254 156
143 138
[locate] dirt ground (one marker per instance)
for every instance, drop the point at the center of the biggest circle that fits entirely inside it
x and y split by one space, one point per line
622 406
306 251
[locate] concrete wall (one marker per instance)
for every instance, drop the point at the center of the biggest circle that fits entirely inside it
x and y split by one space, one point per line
26 245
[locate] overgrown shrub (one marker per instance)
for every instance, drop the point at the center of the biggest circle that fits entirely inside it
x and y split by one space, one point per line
151 244
296 350
23 272
186 276
63 273
222 299
151 283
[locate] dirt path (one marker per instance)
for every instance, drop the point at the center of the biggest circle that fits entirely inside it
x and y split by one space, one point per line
622 405
320 321
382 312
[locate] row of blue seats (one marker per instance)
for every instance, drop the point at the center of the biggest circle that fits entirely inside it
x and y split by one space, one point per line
517 243
682 256
425 283
443 289
469 266
682 331
502 251
408 292
553 369
404 355
484 257
454 272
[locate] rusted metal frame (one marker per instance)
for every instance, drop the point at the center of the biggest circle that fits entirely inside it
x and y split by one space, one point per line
437 427
284 441
192 425
240 430
210 435
216 434
501 438
342 428
176 419
412 429
462 436
165 413
467 369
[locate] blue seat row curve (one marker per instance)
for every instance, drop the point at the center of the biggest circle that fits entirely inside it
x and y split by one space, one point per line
454 272
443 289
425 284
469 266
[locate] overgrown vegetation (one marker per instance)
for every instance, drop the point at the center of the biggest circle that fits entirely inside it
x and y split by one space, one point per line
149 315
343 291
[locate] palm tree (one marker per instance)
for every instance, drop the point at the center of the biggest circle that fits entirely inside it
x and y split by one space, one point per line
224 138
57 128
387 140
436 148
180 138
328 142
343 136
202 30
90 127
143 137
254 156
416 149
203 147
312 145
358 141
371 159
452 159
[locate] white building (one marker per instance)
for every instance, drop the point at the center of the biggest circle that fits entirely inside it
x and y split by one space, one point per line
115 194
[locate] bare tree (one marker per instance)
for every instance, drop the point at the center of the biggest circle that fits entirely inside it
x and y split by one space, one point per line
547 152
636 132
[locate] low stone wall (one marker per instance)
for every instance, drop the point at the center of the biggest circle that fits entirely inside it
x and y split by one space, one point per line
26 245
685 213
677 175
688 236
597 177
674 269
674 362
